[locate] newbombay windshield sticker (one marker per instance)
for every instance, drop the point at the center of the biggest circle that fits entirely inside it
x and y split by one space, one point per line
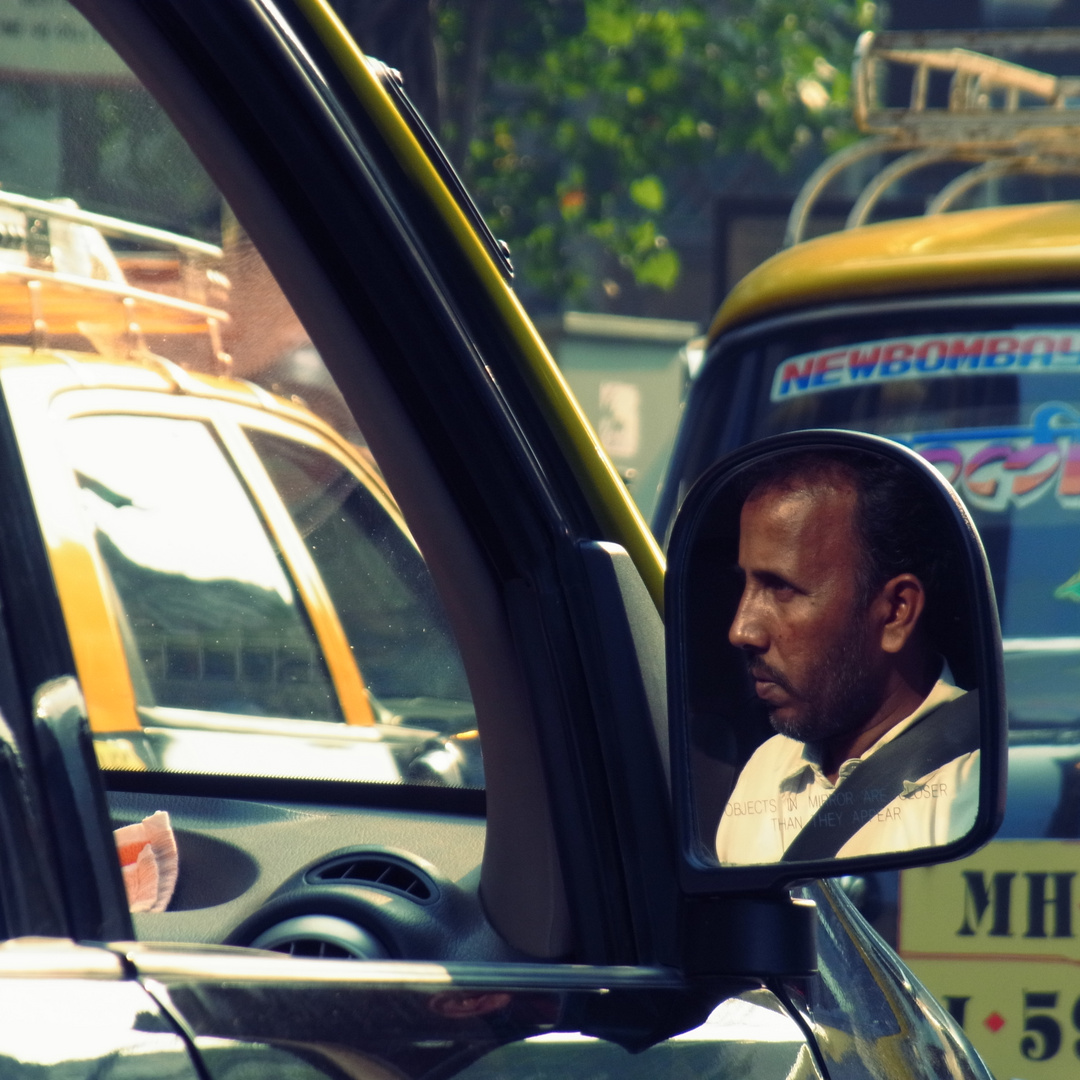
938 356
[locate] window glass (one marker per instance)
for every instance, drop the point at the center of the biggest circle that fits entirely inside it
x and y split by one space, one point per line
209 616
235 604
377 582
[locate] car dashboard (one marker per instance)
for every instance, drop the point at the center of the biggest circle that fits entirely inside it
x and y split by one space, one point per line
320 880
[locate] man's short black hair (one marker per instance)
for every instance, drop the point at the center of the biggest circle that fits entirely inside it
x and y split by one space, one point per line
901 527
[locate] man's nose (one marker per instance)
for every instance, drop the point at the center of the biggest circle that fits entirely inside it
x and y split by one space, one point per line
747 630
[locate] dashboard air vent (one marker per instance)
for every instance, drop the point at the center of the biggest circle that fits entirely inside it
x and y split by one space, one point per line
323 937
377 871
321 950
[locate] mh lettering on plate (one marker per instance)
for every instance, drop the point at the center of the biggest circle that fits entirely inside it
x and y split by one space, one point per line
1039 905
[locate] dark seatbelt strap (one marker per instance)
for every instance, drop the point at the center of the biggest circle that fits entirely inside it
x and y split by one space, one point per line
936 739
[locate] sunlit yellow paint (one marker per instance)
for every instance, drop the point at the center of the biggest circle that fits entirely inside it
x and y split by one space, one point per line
100 662
997 247
96 642
607 494
340 661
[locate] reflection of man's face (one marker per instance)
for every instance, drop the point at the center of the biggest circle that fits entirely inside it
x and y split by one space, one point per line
799 621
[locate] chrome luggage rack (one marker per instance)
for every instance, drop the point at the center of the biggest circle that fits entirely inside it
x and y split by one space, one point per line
60 276
1001 117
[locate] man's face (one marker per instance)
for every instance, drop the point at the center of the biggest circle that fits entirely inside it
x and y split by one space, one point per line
807 640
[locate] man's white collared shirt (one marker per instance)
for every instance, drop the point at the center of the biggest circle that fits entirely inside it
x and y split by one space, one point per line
782 786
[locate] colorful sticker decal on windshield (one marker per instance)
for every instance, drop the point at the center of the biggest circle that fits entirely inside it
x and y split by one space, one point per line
1069 590
929 357
997 468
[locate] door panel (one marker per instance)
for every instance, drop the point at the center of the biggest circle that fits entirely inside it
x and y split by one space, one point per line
415 1020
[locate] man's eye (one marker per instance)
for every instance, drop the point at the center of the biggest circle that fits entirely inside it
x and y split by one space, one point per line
781 589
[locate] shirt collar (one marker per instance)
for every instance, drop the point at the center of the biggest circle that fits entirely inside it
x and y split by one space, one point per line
807 766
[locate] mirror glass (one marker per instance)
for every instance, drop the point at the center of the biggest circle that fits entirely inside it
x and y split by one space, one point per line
837 634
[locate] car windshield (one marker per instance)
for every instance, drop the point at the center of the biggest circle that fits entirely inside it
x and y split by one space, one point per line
992 399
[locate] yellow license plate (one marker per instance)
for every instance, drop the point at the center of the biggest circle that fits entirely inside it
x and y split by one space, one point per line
1022 1017
996 938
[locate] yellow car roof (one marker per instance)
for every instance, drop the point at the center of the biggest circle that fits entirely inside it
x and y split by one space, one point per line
998 247
64 369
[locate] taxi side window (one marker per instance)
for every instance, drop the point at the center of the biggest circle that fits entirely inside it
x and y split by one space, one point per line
375 578
209 617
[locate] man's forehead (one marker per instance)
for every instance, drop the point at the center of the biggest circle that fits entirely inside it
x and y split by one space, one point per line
826 494
801 521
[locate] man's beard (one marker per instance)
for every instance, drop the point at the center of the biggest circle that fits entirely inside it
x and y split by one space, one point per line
841 696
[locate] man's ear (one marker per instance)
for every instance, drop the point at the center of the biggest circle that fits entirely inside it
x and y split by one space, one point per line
899 605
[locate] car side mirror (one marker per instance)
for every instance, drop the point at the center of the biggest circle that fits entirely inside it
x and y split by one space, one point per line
834 666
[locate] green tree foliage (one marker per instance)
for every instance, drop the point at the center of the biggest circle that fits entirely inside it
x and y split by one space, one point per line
572 121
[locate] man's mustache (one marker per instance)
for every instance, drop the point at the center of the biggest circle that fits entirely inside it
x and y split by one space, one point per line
764 672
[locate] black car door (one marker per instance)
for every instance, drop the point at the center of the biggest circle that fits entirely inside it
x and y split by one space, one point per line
320 250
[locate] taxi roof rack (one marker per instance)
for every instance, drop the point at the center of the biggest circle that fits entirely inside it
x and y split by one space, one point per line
1000 117
59 275
67 210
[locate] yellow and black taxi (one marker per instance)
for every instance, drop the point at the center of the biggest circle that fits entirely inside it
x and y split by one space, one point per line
297 515
196 528
956 335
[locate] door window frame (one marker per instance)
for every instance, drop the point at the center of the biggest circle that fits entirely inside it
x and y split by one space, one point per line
83 581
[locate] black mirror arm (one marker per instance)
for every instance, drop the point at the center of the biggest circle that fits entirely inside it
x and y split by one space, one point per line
767 934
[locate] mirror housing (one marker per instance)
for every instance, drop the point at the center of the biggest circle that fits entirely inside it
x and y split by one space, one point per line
720 716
